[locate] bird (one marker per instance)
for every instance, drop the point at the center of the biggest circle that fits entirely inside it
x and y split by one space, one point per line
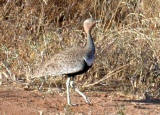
72 61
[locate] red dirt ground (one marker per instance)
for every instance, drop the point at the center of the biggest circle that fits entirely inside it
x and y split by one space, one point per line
17 101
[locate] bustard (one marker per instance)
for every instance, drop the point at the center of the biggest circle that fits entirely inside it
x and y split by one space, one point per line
72 61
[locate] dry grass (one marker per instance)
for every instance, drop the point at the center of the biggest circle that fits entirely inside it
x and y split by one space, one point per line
127 40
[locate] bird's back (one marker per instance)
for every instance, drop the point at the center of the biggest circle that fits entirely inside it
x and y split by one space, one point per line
69 61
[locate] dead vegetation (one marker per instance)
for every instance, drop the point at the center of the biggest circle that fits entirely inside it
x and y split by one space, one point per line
127 41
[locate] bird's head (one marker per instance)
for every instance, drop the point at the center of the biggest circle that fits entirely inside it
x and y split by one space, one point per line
89 24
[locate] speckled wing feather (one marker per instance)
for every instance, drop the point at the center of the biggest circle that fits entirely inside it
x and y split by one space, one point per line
66 62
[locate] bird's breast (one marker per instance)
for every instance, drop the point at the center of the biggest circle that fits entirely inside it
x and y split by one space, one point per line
90 61
89 58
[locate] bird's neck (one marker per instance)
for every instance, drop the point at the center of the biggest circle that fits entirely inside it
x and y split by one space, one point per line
90 50
90 43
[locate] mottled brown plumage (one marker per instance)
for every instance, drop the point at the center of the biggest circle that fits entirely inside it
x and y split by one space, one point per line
66 62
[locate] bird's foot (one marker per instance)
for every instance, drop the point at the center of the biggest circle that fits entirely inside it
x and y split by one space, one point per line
72 104
88 101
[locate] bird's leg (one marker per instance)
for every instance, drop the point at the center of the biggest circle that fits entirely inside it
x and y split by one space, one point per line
68 92
79 92
42 83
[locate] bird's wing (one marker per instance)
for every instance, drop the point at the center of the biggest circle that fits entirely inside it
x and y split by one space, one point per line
66 62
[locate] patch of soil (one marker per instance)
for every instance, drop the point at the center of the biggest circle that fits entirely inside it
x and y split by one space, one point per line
17 101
